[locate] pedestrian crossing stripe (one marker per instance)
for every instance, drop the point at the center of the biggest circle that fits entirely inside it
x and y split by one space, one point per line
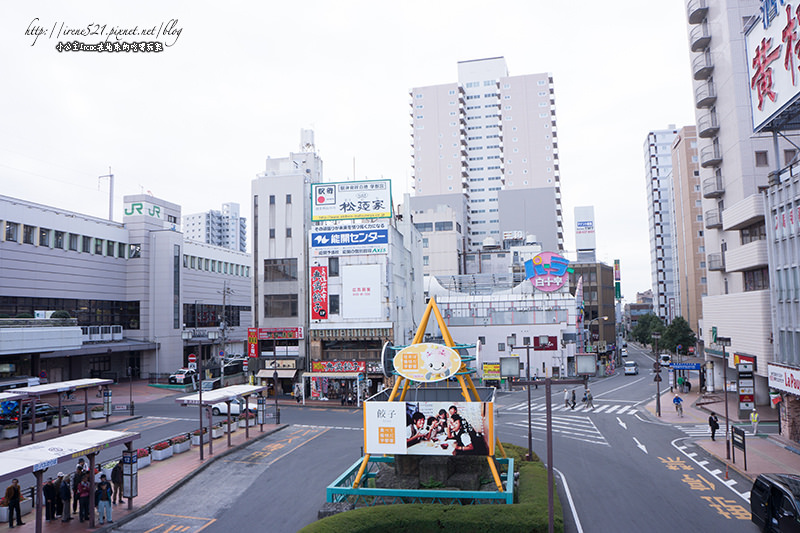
572 427
695 430
617 409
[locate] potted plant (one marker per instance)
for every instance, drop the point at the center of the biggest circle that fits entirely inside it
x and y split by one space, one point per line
3 510
162 450
97 412
108 467
196 435
10 431
247 419
143 455
180 444
217 431
41 424
229 428
78 416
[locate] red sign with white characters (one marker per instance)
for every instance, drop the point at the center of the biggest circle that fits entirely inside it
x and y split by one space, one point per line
319 293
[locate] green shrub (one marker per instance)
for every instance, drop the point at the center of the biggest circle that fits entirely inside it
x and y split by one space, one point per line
60 314
527 516
24 315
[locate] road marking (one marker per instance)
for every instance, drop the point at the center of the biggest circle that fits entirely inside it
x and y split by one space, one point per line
571 427
730 482
575 517
716 472
327 427
621 423
713 472
640 445
624 408
612 409
707 481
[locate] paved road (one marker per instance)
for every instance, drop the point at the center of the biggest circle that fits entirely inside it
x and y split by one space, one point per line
624 471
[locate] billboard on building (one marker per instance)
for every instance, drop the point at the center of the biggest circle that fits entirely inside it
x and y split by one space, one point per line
773 60
319 293
548 271
429 428
784 378
584 228
361 292
351 200
350 239
427 362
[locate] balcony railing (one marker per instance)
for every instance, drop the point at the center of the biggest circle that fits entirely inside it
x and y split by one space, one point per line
702 66
699 37
705 95
697 11
710 156
715 262
707 125
713 219
713 187
101 333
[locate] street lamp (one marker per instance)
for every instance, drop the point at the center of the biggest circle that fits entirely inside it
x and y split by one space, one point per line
725 341
597 320
656 335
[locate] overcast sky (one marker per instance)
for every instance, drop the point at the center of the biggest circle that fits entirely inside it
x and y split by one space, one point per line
193 124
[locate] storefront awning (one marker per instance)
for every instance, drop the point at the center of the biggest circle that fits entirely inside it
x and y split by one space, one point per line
335 375
282 373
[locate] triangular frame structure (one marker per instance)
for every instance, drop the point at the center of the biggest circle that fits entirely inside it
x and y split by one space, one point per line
463 377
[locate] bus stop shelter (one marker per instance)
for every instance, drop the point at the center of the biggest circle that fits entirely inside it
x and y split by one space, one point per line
34 394
226 394
36 458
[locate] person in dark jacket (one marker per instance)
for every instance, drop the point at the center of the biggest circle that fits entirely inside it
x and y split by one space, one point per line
65 491
76 480
13 496
49 493
116 481
83 497
102 499
59 502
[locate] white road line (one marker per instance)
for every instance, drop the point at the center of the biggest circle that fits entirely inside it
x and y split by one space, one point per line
601 408
624 408
702 463
612 409
728 483
715 472
578 527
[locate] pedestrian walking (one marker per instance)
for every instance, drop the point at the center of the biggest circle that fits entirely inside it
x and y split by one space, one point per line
116 481
589 399
49 492
76 480
536 379
13 496
713 423
754 420
297 392
573 399
102 498
566 398
65 491
59 502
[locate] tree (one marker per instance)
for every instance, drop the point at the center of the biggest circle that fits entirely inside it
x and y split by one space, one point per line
645 326
678 333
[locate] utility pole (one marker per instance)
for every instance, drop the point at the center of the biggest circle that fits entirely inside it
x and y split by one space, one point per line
110 177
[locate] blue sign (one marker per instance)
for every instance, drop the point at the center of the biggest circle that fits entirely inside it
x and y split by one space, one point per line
686 366
349 238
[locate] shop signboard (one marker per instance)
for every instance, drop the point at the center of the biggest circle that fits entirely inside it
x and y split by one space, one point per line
427 362
421 428
338 366
491 371
279 333
351 200
319 293
547 271
252 342
784 378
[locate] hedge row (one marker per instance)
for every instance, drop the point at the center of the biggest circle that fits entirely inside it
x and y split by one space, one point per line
527 516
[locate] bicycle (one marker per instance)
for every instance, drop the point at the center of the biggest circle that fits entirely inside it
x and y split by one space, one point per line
679 409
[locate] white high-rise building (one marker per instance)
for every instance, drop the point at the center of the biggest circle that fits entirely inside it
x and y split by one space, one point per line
221 228
734 163
487 147
661 222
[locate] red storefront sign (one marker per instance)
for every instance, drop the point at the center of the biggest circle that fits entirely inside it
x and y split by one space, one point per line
338 366
319 293
252 342
268 334
545 343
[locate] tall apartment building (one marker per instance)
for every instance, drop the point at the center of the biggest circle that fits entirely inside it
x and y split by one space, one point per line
487 147
691 258
734 164
661 222
224 228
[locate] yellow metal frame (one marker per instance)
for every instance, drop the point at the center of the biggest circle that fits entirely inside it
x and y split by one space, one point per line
464 381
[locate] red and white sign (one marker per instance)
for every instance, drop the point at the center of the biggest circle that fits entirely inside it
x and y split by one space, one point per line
319 293
252 342
192 358
784 378
244 365
266 334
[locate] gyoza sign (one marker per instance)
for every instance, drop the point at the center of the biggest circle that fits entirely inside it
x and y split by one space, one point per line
351 200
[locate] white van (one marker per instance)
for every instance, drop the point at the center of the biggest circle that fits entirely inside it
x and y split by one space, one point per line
664 359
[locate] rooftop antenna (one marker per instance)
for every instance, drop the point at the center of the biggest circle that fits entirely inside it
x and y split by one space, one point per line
110 177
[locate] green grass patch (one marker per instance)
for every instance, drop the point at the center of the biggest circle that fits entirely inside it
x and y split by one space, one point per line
529 515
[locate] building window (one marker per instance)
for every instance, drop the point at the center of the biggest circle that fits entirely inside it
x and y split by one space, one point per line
288 198
762 159
206 265
44 237
756 280
501 347
73 242
12 231
58 240
110 248
288 232
86 244
121 250
788 156
333 267
424 242
280 305
271 233
193 262
280 269
98 247
333 304
444 226
271 199
27 234
755 232
422 227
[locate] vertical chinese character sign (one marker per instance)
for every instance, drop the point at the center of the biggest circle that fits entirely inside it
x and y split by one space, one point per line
547 271
319 293
252 342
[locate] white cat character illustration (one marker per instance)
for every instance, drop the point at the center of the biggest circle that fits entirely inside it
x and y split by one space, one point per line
436 363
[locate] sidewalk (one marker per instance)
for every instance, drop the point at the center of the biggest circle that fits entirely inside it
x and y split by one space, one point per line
155 481
765 453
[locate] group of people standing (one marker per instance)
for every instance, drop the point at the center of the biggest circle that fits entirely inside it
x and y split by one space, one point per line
587 400
66 493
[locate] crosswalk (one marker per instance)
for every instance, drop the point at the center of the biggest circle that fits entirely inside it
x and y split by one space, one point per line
605 408
571 427
696 430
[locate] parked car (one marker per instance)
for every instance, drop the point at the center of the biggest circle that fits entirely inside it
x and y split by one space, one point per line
44 411
221 408
182 376
211 384
773 502
631 368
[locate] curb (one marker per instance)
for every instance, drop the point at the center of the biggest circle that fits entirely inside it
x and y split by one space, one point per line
135 513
